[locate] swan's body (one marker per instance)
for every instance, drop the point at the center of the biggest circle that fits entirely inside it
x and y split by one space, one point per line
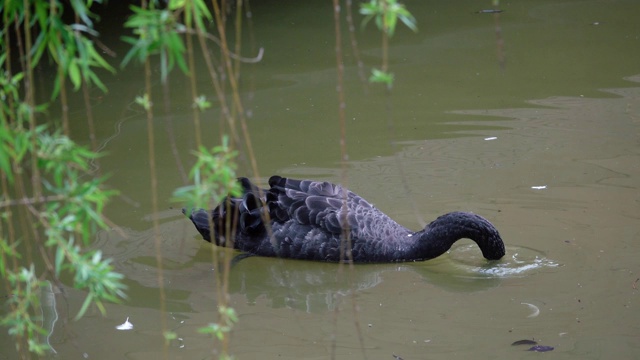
306 221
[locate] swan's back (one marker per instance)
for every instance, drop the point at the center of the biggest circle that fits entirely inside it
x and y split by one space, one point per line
300 219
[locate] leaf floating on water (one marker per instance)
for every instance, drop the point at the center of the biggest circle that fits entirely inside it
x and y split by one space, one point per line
541 348
536 310
125 326
524 342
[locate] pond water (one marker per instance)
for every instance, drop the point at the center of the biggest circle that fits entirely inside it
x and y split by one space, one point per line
546 147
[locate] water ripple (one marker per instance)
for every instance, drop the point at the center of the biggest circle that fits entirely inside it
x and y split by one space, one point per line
518 262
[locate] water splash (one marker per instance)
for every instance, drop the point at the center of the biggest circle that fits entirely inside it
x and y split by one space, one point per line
519 261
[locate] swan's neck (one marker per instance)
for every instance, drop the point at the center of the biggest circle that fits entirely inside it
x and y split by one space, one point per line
438 237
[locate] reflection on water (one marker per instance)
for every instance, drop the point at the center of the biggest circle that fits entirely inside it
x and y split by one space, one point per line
295 284
49 311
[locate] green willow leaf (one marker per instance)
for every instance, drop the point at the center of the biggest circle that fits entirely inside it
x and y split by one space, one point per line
60 256
74 75
85 305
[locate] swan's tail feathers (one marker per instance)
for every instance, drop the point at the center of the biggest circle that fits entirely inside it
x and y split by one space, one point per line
234 216
251 217
202 221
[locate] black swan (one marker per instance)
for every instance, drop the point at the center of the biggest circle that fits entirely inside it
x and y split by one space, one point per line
307 218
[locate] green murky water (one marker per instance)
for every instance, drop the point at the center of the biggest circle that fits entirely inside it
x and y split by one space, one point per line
547 149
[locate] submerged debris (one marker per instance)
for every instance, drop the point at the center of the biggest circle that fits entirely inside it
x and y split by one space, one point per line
535 347
524 342
540 348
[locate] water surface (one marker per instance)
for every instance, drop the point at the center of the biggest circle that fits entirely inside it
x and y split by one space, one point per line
546 148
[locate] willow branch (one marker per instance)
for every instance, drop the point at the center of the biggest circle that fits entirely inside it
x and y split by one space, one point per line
31 201
217 41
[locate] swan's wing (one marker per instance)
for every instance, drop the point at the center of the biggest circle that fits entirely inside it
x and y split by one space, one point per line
322 205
